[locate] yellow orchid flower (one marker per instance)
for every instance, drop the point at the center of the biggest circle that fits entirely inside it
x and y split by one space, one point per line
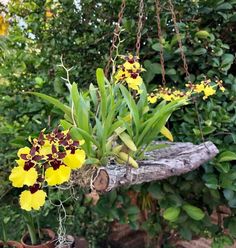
46 148
134 82
24 150
75 160
208 91
121 75
57 176
20 177
152 98
199 88
132 66
29 201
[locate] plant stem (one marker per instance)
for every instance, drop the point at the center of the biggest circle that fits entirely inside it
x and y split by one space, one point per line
38 229
31 228
4 235
32 234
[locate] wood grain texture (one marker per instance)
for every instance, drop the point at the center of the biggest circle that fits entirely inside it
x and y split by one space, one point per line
176 159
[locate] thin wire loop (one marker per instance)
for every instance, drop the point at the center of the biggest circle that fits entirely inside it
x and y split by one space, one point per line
140 27
162 60
179 40
115 37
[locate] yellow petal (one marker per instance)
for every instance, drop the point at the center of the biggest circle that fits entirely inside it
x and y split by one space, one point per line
209 91
152 99
20 177
29 201
59 176
199 88
20 162
222 88
45 149
24 150
134 81
76 160
120 75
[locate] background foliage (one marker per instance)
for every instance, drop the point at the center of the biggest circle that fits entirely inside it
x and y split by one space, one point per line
42 31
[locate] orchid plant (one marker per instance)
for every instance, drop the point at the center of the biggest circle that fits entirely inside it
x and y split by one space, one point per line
115 120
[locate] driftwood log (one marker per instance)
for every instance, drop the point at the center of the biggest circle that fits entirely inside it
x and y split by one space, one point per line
175 159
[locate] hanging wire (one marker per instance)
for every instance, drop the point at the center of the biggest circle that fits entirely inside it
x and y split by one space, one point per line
116 34
179 40
162 61
171 6
140 27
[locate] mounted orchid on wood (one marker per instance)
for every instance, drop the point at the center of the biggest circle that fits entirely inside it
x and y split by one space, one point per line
115 124
109 122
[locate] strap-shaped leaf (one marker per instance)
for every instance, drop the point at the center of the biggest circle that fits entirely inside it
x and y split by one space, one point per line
66 109
158 120
101 85
128 141
132 107
166 132
142 103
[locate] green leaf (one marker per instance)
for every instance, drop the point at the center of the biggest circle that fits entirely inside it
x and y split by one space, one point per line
171 214
228 194
65 124
101 85
75 100
132 107
93 94
128 141
155 190
155 68
232 226
153 125
77 133
224 6
208 130
156 47
132 210
227 60
55 102
193 212
227 156
170 72
202 34
211 180
142 103
199 51
82 113
223 167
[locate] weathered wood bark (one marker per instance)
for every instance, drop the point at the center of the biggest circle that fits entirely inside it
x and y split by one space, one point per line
176 159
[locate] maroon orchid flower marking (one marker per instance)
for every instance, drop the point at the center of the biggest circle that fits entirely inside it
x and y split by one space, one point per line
30 159
33 189
69 144
39 142
55 136
55 158
134 75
